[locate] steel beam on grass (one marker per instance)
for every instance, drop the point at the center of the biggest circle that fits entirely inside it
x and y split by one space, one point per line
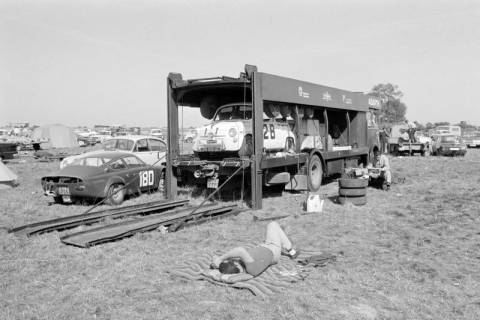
121 230
92 217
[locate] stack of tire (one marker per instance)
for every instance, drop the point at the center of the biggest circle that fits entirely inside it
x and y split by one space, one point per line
352 191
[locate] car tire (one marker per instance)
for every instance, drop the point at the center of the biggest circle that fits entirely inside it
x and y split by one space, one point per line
189 140
314 173
357 201
352 183
357 192
115 194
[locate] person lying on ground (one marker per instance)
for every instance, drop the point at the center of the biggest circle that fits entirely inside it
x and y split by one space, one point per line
256 260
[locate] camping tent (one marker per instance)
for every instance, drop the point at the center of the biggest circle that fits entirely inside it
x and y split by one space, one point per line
7 177
59 136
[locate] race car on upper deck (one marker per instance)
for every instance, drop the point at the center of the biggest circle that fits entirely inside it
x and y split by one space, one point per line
102 175
230 133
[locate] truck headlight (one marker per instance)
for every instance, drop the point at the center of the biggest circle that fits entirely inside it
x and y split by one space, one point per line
232 132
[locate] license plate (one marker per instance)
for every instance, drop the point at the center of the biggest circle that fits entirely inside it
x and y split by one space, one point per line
212 183
211 141
454 149
66 199
64 191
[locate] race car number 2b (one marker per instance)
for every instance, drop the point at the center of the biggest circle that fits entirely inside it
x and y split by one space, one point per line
146 178
268 131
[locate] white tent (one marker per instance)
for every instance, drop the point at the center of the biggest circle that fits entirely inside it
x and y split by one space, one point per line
59 136
7 177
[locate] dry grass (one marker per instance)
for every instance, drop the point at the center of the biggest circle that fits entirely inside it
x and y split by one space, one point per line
411 253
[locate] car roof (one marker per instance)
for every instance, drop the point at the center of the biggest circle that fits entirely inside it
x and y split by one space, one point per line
110 154
135 138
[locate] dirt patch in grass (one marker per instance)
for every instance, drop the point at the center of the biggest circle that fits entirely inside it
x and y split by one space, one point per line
411 253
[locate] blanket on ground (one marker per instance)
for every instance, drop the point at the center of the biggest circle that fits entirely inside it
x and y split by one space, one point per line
273 280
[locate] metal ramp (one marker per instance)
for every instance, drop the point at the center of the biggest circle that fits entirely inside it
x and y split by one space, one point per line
120 230
93 217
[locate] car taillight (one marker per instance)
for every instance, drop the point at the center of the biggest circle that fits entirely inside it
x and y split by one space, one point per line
232 132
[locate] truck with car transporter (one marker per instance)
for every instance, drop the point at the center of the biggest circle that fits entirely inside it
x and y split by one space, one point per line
280 131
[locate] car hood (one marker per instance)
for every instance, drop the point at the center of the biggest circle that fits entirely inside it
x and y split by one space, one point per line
78 171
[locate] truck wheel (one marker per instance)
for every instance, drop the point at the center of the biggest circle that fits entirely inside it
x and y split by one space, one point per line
58 199
247 147
208 107
115 194
315 173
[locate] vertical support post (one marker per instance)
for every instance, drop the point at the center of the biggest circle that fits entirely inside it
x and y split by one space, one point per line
257 135
325 116
349 142
172 110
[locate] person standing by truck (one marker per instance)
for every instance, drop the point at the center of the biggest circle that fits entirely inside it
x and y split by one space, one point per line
383 137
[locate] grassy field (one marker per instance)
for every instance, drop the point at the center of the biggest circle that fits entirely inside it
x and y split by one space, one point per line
411 253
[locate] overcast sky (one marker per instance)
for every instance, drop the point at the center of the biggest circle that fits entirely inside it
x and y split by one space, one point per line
106 62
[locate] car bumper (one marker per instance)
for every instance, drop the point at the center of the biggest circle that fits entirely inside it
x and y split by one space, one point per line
73 190
453 152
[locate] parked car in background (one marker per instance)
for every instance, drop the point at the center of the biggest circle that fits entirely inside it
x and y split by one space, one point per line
473 140
448 145
150 150
157 133
111 175
455 130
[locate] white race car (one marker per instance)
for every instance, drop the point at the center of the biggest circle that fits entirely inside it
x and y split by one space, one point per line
151 150
230 134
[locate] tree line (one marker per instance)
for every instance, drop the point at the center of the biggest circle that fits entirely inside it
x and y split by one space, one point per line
393 109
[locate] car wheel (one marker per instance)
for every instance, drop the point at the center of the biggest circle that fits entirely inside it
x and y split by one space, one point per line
115 194
315 173
189 140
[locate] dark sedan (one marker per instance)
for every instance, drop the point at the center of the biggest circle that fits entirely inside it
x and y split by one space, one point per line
110 175
449 145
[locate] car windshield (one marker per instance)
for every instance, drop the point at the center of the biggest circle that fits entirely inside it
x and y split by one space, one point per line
450 139
241 112
118 144
91 161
